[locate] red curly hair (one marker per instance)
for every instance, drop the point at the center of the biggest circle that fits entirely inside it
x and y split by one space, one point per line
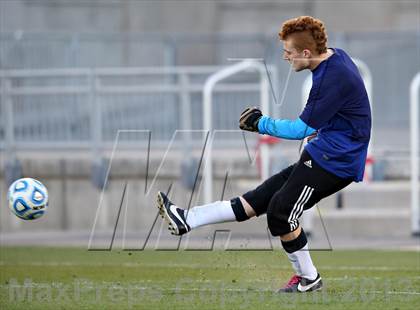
307 32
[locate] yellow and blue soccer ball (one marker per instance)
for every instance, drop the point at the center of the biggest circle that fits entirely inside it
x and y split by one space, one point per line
28 198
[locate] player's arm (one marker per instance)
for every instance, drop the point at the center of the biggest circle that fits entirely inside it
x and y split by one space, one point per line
252 120
284 128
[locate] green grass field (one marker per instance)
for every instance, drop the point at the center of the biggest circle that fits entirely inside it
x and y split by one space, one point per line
68 278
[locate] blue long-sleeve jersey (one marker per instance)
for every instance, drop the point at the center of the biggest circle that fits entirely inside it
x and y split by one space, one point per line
284 128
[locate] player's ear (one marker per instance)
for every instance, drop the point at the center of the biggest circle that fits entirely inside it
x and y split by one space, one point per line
307 53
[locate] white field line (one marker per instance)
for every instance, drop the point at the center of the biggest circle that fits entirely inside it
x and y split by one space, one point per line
189 280
196 266
174 289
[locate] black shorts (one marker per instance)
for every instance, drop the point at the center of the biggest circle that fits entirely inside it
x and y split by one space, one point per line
285 195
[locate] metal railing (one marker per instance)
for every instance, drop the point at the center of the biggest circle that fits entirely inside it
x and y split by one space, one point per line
72 50
84 108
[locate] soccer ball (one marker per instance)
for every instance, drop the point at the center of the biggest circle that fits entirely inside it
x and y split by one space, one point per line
28 198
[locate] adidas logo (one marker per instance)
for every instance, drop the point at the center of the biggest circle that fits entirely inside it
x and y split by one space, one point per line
308 163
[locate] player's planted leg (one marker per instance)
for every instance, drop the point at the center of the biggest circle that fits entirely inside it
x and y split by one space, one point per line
307 278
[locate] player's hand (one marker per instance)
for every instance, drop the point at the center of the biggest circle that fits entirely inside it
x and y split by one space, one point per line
249 119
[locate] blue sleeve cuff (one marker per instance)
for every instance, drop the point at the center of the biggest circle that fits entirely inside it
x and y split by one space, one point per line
262 124
283 128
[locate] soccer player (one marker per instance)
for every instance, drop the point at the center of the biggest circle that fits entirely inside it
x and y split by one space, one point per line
338 112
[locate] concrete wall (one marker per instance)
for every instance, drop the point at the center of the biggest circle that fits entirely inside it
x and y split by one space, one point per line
74 200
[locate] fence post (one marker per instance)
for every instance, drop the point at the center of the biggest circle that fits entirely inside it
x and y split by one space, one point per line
414 141
13 168
99 164
189 165
8 119
96 126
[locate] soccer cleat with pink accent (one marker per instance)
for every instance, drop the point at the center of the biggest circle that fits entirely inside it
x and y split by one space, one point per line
299 284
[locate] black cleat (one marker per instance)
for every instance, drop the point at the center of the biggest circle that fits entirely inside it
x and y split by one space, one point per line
298 284
173 215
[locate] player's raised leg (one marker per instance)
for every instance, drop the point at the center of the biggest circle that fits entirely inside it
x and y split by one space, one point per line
242 208
181 221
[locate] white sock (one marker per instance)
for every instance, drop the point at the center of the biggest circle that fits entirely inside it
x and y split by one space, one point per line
302 263
212 213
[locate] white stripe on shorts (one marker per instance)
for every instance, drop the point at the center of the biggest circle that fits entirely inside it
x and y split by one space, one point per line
298 207
307 199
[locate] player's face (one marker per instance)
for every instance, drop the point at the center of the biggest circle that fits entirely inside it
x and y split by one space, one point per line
297 59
